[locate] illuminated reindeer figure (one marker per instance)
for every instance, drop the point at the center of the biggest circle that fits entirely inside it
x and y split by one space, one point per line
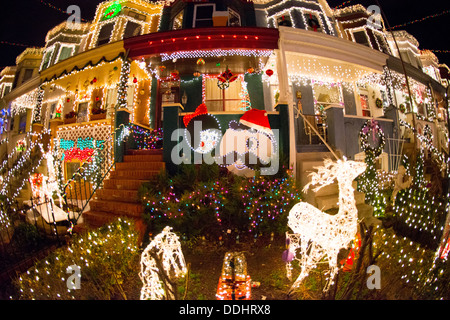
162 262
318 235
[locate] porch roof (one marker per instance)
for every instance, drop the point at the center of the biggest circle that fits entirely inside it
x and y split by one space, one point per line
201 39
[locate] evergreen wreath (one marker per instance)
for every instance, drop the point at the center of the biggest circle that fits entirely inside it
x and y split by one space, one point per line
379 103
372 126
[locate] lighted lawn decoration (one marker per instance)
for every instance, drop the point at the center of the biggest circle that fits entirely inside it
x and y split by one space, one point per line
234 283
318 235
43 190
249 143
162 262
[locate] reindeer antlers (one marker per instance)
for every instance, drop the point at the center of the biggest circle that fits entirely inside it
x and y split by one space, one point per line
325 175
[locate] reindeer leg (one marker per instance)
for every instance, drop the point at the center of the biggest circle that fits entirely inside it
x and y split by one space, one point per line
308 261
332 264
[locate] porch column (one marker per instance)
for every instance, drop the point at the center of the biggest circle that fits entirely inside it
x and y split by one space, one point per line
171 122
286 99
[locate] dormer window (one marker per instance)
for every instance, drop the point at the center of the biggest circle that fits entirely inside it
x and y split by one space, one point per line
178 21
312 22
105 33
64 53
284 20
234 19
132 29
47 59
361 38
203 15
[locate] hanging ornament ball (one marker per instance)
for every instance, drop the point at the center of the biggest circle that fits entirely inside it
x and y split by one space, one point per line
197 74
94 80
135 80
269 72
250 70
175 74
201 61
68 99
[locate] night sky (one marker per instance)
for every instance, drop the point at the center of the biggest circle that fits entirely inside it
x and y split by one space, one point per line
28 21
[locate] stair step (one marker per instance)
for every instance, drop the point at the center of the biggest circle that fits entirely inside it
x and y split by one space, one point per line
120 208
93 219
140 165
143 158
312 148
364 211
122 184
117 195
134 174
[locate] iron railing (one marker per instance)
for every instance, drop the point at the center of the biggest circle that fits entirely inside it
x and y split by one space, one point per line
80 189
89 177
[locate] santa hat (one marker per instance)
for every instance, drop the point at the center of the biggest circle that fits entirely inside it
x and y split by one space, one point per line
257 119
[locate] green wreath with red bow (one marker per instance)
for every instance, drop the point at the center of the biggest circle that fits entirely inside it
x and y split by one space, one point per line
371 129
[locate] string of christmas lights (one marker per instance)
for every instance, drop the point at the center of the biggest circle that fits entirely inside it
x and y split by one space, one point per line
420 20
58 9
18 44
343 4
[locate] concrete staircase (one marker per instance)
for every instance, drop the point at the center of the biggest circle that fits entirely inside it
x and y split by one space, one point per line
119 195
327 198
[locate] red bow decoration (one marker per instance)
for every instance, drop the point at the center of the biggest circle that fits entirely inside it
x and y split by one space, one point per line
227 76
201 109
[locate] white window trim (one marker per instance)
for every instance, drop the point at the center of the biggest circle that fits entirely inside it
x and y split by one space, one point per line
50 49
319 18
201 5
365 33
71 47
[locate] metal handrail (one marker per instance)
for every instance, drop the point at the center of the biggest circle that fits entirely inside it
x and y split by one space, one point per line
316 132
78 175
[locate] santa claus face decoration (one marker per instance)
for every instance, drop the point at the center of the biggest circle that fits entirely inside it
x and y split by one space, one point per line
249 144
246 146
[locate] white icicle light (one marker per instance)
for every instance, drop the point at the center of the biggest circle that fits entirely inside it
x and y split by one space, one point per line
318 235
168 248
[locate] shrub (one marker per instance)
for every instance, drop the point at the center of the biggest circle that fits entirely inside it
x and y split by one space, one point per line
205 200
108 259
